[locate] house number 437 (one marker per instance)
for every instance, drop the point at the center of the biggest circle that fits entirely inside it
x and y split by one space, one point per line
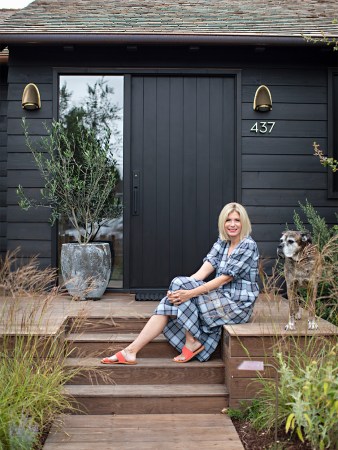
262 127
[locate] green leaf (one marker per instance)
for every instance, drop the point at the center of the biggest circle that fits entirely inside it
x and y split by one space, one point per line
300 434
288 422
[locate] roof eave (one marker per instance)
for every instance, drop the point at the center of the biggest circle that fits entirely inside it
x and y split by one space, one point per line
148 39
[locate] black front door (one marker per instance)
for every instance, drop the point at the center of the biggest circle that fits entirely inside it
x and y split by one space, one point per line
183 131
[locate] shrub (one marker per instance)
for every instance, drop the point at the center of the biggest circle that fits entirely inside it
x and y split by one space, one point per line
32 371
314 404
308 394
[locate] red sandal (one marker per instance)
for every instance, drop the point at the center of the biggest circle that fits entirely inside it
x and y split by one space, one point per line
120 360
188 354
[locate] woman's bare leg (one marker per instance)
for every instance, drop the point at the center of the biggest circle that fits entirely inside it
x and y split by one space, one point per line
150 331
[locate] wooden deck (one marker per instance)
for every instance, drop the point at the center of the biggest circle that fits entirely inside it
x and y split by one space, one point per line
145 432
156 403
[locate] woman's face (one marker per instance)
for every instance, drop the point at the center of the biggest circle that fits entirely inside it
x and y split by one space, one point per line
233 226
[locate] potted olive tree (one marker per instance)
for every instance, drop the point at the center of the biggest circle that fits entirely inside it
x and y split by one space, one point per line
80 179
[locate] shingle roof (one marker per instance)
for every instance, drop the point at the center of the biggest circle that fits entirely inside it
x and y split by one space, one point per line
5 13
288 18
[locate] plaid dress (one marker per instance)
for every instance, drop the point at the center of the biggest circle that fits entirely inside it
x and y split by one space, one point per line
232 303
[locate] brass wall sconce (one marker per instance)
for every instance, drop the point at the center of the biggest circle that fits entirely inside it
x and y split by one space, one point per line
31 97
262 101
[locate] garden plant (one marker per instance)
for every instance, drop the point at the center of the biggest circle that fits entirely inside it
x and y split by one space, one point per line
32 360
79 177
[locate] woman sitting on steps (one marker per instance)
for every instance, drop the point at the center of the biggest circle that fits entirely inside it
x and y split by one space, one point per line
193 312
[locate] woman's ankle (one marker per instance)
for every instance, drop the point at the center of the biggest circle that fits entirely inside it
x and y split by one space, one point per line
130 350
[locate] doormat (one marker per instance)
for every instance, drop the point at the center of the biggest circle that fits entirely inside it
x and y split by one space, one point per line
154 296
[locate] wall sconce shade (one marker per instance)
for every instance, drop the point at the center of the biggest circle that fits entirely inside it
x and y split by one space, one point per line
262 101
31 97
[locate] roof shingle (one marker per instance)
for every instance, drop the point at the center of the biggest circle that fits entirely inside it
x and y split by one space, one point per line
175 17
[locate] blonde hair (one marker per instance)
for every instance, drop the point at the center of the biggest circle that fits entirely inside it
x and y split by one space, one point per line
245 221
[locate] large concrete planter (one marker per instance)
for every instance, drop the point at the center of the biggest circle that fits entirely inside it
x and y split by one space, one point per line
86 269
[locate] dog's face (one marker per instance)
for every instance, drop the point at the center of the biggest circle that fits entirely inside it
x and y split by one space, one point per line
292 242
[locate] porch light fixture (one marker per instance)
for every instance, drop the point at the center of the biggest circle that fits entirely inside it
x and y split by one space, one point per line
31 97
262 101
258 366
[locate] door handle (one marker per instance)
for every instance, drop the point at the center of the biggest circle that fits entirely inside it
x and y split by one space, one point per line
136 193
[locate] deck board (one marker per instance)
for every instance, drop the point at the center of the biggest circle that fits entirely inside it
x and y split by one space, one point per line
165 431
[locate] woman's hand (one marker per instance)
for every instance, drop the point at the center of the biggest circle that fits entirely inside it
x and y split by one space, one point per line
180 296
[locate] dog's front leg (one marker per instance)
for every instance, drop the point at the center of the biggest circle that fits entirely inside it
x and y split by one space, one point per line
312 294
293 302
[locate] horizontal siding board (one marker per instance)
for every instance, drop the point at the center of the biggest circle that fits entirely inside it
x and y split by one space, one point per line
281 163
286 111
41 262
18 144
30 231
284 128
27 178
281 146
33 215
34 126
21 161
283 76
268 249
31 248
285 197
15 110
15 91
284 214
12 196
289 94
30 74
266 232
284 180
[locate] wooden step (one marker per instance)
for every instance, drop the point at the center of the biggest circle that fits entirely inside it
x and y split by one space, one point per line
149 399
104 344
108 324
148 371
145 432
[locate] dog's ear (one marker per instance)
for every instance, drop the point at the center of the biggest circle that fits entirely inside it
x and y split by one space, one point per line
306 237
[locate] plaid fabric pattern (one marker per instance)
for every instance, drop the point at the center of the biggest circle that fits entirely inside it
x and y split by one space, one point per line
203 316
187 317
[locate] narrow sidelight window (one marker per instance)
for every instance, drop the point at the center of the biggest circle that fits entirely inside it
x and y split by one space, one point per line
97 101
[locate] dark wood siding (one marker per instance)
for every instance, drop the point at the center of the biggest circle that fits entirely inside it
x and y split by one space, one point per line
3 156
29 230
277 170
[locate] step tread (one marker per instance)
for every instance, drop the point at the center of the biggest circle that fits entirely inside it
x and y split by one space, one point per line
107 337
154 390
142 362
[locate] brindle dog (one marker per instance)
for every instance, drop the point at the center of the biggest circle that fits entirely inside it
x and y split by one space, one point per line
301 269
